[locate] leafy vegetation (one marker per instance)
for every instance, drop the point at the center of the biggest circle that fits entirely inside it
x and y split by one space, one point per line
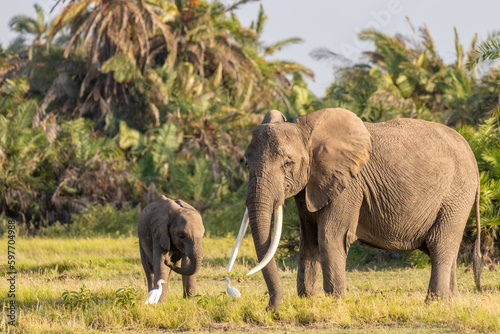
403 77
115 110
485 142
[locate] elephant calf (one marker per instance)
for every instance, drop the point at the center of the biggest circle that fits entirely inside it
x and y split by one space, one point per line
170 234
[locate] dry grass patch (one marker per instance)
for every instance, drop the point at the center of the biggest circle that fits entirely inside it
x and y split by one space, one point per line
91 271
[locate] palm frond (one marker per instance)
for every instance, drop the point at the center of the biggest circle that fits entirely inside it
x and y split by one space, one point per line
238 4
258 26
428 41
459 50
280 45
488 50
325 54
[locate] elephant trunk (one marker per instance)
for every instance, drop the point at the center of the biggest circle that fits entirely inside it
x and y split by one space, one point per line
261 204
278 225
194 253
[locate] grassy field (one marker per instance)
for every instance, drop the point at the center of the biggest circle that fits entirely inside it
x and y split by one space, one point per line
98 285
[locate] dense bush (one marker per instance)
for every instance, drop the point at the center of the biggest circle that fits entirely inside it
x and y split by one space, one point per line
485 143
95 220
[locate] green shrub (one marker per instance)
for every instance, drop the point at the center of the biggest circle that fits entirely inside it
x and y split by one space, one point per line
225 216
55 230
77 299
485 143
104 220
125 297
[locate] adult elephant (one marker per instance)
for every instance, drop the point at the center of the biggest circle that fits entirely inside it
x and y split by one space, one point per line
404 184
170 235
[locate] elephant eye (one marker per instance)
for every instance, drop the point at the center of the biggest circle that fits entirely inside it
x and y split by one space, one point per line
182 236
288 164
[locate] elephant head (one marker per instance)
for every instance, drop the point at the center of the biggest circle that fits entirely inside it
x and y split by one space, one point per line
180 236
318 153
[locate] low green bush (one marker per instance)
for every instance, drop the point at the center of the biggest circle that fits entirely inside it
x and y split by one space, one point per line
104 220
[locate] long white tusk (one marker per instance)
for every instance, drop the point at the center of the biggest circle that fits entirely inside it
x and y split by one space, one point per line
278 223
241 234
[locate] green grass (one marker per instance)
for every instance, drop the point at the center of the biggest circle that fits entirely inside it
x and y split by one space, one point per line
92 270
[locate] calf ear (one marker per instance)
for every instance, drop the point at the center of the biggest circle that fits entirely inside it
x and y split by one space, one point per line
185 205
340 145
159 226
161 218
274 116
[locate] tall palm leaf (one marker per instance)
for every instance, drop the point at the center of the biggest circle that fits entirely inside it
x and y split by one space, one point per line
489 50
37 27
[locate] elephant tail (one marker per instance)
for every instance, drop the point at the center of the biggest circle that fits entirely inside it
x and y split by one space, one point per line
477 258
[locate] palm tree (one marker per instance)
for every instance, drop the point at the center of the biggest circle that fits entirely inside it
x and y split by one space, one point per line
279 75
37 27
115 36
220 76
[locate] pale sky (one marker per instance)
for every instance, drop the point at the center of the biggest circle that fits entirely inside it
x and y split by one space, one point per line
334 24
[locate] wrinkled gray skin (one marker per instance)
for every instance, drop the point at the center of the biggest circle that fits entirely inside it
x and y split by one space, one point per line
170 231
404 184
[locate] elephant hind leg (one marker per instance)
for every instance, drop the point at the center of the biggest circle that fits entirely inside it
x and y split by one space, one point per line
453 281
443 243
442 283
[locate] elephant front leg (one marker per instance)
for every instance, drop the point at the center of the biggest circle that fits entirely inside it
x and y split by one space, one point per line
333 262
188 282
161 271
334 242
307 275
309 260
337 226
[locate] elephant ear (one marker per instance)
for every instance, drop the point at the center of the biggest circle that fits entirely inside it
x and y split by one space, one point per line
185 205
160 221
274 116
340 145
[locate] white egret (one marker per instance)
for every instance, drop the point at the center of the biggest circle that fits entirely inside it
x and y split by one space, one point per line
231 291
154 295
